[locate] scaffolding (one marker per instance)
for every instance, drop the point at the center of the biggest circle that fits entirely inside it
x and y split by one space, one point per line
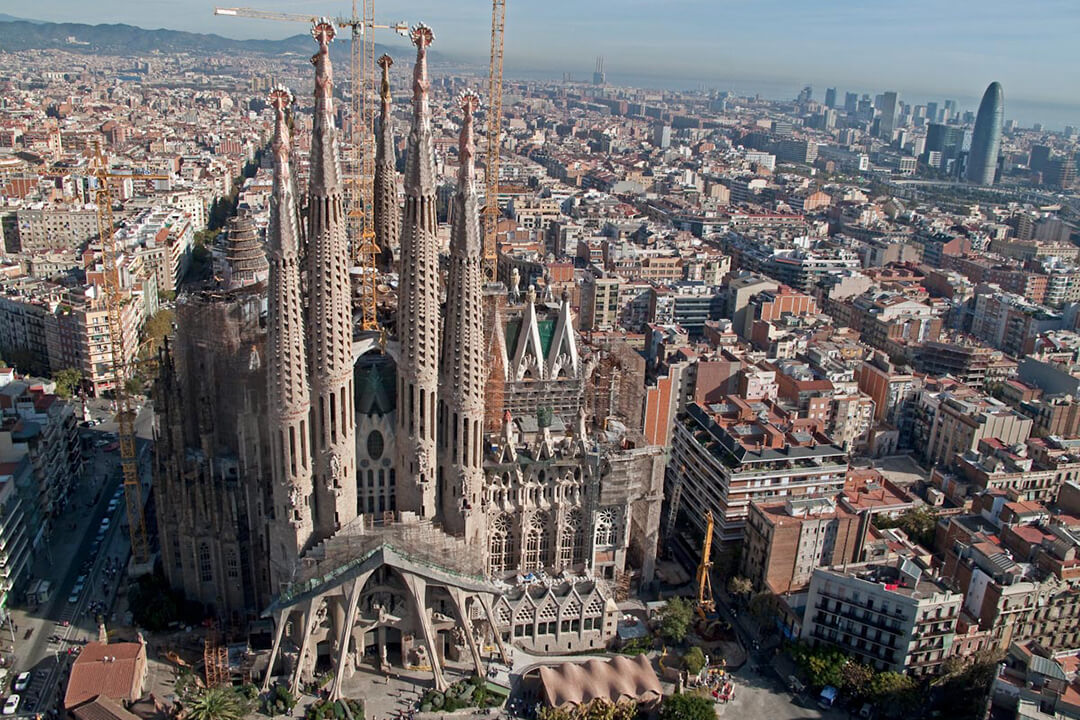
215 658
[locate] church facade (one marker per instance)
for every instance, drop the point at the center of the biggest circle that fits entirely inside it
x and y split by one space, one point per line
402 501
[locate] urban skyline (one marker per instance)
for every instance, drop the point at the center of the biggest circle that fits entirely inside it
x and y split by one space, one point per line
693 43
322 404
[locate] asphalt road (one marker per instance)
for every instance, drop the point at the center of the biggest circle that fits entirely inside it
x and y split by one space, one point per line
58 626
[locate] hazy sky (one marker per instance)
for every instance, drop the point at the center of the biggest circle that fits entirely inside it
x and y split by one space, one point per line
922 48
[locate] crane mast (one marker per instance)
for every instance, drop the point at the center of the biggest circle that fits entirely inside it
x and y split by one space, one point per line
494 128
114 304
363 141
705 602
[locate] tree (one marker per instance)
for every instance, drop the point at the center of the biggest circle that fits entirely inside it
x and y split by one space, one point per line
963 693
761 605
687 707
893 688
739 586
823 666
675 619
855 679
158 327
133 386
597 709
219 703
68 381
554 713
694 660
625 710
918 522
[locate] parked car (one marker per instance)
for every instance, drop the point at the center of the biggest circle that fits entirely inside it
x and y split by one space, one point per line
11 706
22 682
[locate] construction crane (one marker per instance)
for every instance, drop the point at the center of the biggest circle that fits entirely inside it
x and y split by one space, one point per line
705 603
361 208
494 128
114 304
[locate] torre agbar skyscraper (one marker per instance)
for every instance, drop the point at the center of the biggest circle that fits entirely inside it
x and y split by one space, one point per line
986 140
330 312
418 304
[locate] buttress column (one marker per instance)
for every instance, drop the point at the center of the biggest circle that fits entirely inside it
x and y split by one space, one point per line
288 395
418 304
461 365
330 315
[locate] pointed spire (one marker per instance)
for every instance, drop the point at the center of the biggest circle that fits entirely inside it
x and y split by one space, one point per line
461 364
282 236
469 102
288 394
325 171
418 304
466 229
420 165
330 309
387 213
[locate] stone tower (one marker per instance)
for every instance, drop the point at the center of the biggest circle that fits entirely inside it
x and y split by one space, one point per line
245 257
288 395
330 314
386 210
418 305
461 365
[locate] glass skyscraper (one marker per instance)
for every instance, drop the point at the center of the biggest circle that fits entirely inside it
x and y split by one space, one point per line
986 141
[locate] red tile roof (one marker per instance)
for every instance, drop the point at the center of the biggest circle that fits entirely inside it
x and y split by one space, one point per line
93 675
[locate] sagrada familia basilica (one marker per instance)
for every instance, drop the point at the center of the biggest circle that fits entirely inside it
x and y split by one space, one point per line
403 500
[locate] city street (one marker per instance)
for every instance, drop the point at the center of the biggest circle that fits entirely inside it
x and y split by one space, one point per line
47 637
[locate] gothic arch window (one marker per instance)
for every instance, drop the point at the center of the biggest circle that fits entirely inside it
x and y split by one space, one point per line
205 572
501 546
605 528
232 564
572 550
537 542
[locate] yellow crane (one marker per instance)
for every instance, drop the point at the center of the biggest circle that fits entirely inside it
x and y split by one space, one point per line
361 209
111 253
705 602
494 128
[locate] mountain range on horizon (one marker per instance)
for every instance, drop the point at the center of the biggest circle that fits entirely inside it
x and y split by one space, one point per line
17 34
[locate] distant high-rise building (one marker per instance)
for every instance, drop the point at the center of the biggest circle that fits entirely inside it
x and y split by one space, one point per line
932 112
830 98
1040 158
986 141
662 136
945 139
1060 172
598 76
851 102
889 106
806 94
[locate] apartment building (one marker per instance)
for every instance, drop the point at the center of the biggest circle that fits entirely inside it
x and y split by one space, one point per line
14 533
46 427
786 540
961 420
55 226
728 454
891 616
